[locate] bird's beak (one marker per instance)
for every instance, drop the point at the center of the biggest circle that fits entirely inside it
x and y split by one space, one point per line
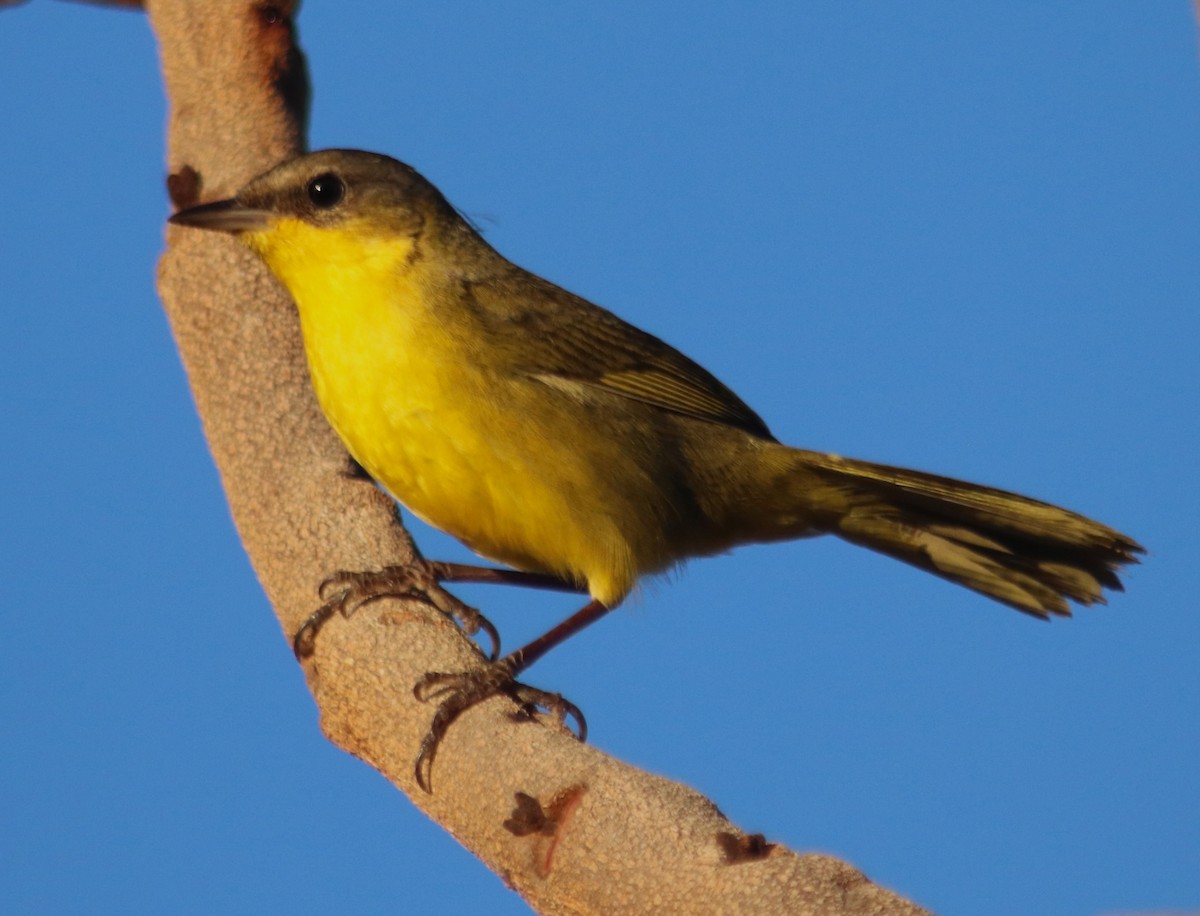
223 216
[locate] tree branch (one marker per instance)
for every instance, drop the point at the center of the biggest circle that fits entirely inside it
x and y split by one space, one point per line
573 830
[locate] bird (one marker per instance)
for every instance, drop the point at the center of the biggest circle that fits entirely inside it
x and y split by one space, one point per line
578 451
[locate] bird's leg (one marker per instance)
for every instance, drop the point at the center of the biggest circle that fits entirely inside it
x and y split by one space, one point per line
355 471
345 592
460 691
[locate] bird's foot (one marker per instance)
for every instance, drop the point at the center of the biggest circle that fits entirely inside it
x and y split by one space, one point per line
460 691
345 592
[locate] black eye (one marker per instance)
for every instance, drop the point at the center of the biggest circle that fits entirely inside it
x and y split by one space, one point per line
326 190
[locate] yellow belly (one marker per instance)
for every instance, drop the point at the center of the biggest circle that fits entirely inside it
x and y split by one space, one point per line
459 442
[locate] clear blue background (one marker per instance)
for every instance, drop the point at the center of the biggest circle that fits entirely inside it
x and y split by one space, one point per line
961 237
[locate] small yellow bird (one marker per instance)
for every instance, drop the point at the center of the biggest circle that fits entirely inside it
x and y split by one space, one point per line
549 435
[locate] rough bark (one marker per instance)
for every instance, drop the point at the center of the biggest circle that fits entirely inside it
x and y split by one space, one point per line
587 834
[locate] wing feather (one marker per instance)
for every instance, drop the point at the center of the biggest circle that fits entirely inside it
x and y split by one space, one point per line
566 337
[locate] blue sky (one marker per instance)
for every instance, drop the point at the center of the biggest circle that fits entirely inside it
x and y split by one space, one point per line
961 237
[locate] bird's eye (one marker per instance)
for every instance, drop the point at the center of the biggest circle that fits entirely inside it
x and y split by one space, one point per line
326 190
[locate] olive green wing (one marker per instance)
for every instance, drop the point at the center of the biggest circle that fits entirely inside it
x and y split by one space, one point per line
567 338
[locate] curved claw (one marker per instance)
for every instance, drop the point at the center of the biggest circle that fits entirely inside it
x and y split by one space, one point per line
345 592
304 643
466 689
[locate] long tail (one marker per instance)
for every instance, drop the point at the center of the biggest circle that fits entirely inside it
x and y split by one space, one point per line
1027 554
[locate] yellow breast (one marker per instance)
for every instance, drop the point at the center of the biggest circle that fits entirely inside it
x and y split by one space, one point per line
410 390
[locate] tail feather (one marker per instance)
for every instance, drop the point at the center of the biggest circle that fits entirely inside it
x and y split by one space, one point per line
1025 553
